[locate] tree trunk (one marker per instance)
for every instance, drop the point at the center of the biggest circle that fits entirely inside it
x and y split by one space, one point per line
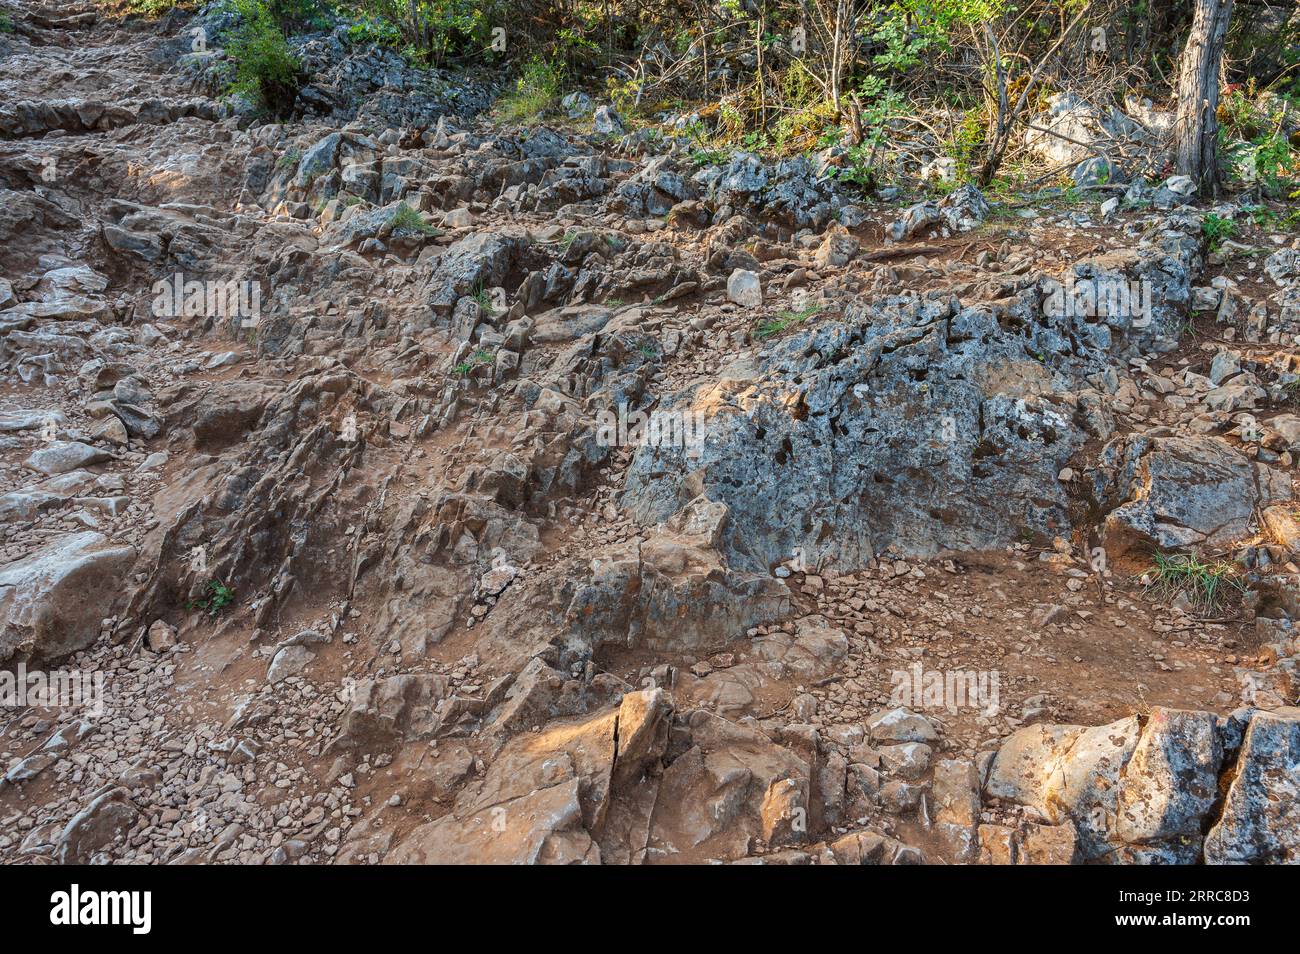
1196 128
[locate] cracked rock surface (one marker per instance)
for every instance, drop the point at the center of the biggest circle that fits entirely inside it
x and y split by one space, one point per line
561 500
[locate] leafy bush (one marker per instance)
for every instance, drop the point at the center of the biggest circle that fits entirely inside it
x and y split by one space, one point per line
370 29
536 92
1271 154
150 8
266 71
425 31
1216 228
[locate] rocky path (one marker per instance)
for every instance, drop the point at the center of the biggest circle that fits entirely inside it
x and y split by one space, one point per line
314 449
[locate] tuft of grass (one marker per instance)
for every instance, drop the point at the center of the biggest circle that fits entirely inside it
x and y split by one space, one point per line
481 356
6 23
708 157
219 597
407 219
1206 585
483 300
784 319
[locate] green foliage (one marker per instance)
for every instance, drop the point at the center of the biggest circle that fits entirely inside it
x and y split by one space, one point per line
439 29
1272 157
967 145
536 92
6 23
266 71
1272 220
1216 228
219 597
149 8
480 357
857 169
484 300
708 157
772 327
372 29
1252 140
880 105
408 220
1205 585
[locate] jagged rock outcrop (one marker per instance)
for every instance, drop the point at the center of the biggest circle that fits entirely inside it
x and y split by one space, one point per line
1151 790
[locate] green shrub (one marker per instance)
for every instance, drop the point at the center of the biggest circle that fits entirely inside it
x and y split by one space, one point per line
377 30
266 71
424 31
1216 228
536 92
480 357
151 8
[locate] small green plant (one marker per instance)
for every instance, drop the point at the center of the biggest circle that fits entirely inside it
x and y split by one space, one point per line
219 597
6 23
289 160
708 157
857 169
1216 229
479 357
1206 585
408 220
967 145
536 92
1272 158
784 319
483 300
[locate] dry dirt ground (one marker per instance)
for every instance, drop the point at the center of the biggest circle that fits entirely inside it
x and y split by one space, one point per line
209 761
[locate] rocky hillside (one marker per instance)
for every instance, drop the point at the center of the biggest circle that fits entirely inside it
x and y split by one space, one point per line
418 487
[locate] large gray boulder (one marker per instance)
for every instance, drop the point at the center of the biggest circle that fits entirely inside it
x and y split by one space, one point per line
914 425
106 820
318 160
52 602
1175 493
60 457
476 262
1145 791
1260 823
1171 782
